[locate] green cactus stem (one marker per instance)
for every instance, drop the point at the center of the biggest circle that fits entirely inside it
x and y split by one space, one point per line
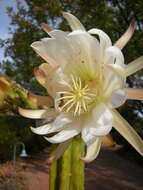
67 173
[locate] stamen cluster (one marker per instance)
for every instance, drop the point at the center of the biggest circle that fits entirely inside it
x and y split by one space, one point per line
77 98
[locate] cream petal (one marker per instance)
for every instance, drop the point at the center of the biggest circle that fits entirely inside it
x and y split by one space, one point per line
103 120
61 120
42 130
64 135
134 94
105 41
124 128
74 23
113 55
85 55
57 102
104 38
41 100
57 34
76 52
119 70
59 151
55 126
40 76
59 86
89 135
46 27
118 98
92 151
33 114
126 36
41 50
112 82
48 114
134 66
98 124
47 76
70 130
54 50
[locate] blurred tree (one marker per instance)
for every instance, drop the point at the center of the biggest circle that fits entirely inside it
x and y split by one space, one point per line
112 16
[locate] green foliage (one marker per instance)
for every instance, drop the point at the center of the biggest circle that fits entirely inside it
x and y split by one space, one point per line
16 129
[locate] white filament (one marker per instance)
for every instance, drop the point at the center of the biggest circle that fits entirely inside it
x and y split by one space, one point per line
77 97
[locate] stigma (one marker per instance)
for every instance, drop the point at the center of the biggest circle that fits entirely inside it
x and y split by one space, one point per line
77 97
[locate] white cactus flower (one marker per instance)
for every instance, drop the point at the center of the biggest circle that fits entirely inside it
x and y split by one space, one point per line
85 78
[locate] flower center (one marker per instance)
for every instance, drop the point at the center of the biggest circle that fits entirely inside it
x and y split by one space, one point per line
77 98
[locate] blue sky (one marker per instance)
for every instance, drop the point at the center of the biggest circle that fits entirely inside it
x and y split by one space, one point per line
5 21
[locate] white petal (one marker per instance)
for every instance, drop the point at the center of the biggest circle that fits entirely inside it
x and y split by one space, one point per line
134 66
134 94
112 81
74 23
98 124
61 120
59 151
55 126
92 150
41 50
42 130
105 41
124 128
54 50
126 36
33 114
118 98
120 69
76 53
85 55
114 55
59 80
89 135
64 135
57 34
104 38
68 132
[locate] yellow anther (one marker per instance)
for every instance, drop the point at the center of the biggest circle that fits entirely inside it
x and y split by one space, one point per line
77 98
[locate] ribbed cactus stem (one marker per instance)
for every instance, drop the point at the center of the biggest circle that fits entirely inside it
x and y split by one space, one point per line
77 166
53 171
65 170
53 176
68 172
